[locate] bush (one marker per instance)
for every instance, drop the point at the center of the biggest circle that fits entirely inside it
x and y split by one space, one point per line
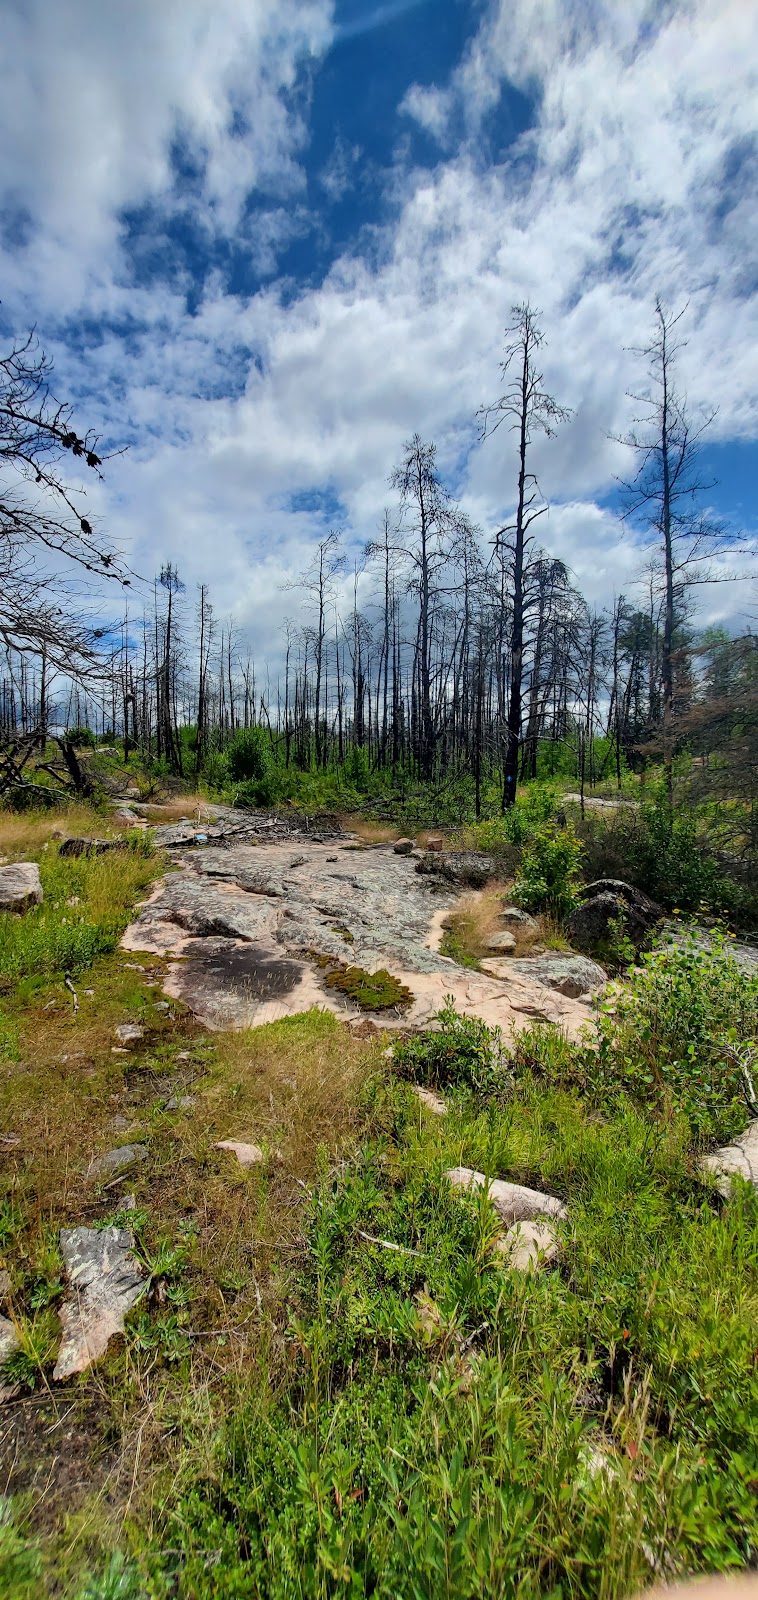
663 853
549 871
464 1053
83 737
248 755
672 1035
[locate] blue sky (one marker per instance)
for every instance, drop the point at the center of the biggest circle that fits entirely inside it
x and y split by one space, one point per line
267 240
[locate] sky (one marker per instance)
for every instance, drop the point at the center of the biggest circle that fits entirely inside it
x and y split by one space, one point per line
266 241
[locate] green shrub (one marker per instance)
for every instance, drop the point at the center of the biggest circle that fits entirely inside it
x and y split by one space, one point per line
248 755
84 737
549 871
465 1052
672 1035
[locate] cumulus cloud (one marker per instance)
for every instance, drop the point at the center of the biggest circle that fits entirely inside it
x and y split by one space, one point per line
633 179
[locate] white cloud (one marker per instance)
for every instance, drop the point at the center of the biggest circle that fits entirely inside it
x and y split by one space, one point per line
626 186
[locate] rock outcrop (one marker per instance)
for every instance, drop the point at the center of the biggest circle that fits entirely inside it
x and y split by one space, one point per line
105 1282
609 905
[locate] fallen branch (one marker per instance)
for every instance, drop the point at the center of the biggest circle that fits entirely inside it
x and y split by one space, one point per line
387 1244
70 987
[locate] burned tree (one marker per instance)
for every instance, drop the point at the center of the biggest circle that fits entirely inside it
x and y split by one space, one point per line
527 409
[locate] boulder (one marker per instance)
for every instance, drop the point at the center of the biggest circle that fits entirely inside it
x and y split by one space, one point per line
97 847
435 842
20 886
610 901
116 1161
518 918
739 1159
503 942
105 1282
458 866
569 974
402 847
512 1201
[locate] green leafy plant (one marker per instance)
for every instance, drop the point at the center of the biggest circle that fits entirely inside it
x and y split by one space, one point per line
465 1052
549 871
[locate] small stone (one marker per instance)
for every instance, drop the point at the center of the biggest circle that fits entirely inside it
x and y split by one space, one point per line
106 1282
182 1055
129 1033
179 1102
403 847
432 1101
503 942
9 1340
512 1201
435 841
526 1245
248 1155
161 1005
20 886
118 1050
115 1161
120 1124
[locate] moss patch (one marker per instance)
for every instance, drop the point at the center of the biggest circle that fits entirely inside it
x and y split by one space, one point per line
370 991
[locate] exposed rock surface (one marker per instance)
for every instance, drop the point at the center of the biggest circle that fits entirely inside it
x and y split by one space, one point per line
105 1282
248 1155
737 1159
606 902
240 926
512 1201
119 1160
570 975
20 886
457 866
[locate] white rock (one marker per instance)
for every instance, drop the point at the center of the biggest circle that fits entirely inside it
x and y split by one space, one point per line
20 886
739 1158
9 1340
528 1245
106 1282
248 1155
501 941
432 1101
512 1201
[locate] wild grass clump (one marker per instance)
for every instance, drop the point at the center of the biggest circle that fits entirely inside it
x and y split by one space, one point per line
87 904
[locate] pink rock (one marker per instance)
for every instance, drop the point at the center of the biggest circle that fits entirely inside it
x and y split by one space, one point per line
248 1155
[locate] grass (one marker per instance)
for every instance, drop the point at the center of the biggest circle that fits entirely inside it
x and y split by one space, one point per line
296 1409
469 929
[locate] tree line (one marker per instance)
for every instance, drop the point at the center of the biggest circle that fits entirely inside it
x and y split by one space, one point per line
443 650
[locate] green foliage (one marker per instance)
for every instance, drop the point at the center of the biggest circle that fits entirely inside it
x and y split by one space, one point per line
464 1053
20 1559
83 737
119 1580
671 1038
663 851
248 755
441 1428
535 808
87 904
549 871
671 1035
